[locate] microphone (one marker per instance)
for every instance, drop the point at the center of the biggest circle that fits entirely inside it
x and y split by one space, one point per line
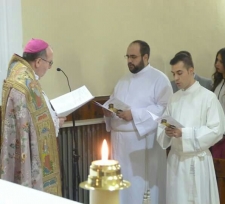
74 148
60 70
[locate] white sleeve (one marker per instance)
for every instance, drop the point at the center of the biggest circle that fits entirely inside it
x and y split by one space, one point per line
163 140
198 139
108 123
142 119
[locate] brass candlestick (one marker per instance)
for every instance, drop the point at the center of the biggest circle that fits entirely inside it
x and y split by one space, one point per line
104 182
105 176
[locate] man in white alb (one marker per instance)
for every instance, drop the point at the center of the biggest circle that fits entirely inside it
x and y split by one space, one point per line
190 170
133 132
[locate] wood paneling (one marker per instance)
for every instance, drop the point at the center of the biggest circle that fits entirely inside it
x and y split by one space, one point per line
219 165
89 110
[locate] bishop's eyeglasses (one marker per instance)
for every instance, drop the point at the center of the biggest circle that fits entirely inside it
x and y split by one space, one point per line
50 62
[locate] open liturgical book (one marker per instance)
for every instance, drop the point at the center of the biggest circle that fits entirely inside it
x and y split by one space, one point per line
170 122
67 103
117 105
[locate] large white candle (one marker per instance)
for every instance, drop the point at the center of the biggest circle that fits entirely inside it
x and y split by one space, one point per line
104 197
105 154
104 180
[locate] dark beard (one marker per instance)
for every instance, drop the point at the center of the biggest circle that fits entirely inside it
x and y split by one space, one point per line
137 68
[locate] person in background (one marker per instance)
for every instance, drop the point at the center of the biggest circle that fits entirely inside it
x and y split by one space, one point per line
218 150
29 154
207 83
133 131
190 170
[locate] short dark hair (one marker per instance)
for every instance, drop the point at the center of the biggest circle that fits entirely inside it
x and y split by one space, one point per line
29 57
184 52
144 47
182 57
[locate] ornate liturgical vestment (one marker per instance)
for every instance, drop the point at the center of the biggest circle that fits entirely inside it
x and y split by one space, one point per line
29 154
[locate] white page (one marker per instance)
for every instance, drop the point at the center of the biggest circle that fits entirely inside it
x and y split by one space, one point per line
67 103
11 193
119 105
169 119
99 104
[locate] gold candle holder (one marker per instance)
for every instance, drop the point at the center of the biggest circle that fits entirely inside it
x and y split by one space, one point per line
104 182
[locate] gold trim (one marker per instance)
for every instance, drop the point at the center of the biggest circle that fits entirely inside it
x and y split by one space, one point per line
20 77
105 177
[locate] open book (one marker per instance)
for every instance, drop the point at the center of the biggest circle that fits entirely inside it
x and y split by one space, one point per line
171 121
67 103
117 104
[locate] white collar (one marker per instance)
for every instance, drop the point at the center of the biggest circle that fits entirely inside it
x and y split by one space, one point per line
147 67
191 89
36 76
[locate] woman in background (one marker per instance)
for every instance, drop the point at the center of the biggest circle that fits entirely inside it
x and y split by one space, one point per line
218 150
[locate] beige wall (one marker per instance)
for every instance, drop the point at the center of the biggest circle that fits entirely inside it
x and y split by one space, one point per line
90 37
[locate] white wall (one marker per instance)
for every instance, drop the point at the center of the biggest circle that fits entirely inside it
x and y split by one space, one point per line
10 34
90 38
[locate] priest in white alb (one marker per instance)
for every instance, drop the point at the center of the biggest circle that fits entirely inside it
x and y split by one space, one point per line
190 170
133 132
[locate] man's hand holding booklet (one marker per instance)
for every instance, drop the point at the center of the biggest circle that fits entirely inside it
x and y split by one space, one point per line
114 105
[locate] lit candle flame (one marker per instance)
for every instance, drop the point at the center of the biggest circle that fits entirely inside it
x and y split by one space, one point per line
105 151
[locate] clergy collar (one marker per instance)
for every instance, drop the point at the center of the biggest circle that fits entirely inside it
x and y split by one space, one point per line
36 76
191 89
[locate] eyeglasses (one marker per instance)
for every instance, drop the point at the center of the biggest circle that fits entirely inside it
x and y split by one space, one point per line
132 56
50 62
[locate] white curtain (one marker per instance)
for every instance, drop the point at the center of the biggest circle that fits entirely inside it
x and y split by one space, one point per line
10 34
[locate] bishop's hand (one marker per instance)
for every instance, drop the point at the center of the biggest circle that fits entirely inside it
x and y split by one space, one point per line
61 121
